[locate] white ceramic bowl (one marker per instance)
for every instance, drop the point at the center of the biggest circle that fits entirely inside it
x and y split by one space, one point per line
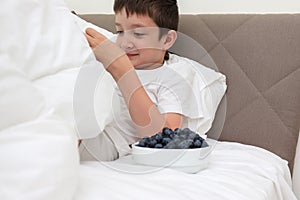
187 160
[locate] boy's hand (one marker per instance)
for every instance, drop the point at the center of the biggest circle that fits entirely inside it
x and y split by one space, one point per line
94 38
105 51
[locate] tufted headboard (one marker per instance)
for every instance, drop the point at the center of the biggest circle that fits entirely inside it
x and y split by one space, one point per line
260 55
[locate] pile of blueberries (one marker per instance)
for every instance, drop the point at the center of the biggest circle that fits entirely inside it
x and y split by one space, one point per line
174 139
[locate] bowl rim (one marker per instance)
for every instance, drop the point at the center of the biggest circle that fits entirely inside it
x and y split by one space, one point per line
134 145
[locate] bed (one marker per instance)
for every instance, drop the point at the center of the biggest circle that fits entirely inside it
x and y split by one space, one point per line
43 57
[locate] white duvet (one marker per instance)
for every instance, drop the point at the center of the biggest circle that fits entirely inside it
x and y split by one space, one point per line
235 171
42 51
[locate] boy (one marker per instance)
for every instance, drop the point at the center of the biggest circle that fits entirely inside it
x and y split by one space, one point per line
157 89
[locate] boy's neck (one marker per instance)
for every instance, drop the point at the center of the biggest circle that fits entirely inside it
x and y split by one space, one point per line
149 66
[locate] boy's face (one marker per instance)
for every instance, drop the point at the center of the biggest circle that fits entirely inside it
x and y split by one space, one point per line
138 36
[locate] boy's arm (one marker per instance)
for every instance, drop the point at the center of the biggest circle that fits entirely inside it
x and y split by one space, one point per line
146 117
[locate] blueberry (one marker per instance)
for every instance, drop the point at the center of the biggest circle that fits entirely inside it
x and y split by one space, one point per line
197 144
159 137
146 139
166 131
177 139
142 144
180 137
191 135
166 141
197 137
176 130
172 135
153 137
152 143
204 144
185 144
171 145
186 131
158 146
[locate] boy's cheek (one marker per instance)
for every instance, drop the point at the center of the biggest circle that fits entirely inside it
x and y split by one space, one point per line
149 45
118 42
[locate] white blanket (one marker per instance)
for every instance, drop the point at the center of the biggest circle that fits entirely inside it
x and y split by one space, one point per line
235 171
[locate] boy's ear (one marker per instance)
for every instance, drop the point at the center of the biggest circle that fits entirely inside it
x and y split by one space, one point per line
169 39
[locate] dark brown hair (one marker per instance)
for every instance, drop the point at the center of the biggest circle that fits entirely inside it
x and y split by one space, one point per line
163 12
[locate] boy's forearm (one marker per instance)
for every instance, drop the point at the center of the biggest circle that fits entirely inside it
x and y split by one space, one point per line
144 114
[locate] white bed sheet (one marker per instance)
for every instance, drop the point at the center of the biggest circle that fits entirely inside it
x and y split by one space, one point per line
235 171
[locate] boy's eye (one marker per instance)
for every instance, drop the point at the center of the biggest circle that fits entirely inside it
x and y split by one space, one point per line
120 32
138 34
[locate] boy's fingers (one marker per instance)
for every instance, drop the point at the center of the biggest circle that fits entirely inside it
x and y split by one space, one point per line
90 40
93 33
95 38
105 51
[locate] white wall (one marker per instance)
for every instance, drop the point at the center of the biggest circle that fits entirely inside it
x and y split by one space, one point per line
199 6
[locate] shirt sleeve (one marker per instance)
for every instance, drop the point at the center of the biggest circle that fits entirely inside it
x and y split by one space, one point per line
192 90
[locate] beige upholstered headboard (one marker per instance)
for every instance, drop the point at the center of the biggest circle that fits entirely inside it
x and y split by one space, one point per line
260 55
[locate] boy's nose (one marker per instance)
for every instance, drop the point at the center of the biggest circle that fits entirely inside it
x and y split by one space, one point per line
126 44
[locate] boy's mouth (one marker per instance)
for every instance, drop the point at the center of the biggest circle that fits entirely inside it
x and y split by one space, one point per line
130 55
